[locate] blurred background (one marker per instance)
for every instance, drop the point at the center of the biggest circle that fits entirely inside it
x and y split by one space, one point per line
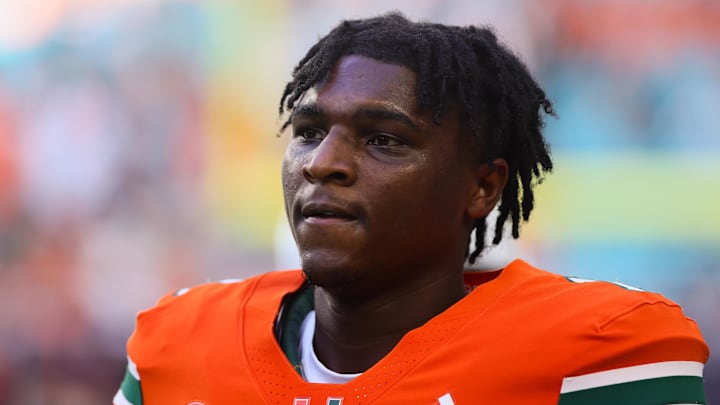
139 154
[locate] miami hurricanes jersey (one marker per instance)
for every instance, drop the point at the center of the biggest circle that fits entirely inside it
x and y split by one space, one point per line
521 336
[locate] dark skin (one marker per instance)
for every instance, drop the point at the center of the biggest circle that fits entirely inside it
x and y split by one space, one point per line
381 201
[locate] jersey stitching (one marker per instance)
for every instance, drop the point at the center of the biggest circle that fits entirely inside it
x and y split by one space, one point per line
632 309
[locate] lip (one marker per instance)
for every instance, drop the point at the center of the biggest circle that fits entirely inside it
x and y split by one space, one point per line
325 212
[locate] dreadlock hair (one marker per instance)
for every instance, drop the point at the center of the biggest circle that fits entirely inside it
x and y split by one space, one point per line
499 100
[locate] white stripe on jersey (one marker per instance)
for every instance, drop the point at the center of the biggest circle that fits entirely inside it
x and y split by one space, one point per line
446 400
132 368
630 374
119 399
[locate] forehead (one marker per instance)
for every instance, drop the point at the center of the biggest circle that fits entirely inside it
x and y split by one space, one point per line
359 79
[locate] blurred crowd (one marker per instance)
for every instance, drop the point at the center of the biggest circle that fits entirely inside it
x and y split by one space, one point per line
108 134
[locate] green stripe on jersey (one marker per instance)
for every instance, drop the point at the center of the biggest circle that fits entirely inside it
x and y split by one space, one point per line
665 390
130 388
633 373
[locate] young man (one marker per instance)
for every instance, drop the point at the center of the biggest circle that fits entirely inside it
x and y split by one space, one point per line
405 136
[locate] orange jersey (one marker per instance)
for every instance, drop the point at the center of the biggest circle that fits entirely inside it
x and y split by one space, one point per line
521 336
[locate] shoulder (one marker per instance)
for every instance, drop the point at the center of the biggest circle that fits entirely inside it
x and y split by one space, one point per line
597 302
207 309
216 294
635 345
602 337
610 334
596 324
210 317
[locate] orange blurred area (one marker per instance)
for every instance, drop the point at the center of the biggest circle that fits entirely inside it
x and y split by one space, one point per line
139 154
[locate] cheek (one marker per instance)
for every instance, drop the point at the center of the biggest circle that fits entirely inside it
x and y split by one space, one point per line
289 175
439 191
411 194
429 179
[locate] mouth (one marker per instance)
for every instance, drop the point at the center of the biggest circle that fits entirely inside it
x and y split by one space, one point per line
323 212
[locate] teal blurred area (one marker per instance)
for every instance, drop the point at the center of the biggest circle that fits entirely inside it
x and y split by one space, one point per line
139 155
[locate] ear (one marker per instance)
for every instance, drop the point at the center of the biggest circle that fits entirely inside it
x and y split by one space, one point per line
490 180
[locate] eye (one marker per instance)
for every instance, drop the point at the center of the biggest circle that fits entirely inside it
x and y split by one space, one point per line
309 134
384 140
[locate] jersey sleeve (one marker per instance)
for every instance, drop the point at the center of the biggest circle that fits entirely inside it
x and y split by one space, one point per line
650 354
130 392
156 328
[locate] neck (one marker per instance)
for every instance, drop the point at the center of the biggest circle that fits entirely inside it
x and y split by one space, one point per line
352 337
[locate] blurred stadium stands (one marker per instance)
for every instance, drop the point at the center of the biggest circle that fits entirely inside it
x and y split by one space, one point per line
138 155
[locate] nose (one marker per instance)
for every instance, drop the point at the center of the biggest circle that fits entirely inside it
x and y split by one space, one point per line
332 160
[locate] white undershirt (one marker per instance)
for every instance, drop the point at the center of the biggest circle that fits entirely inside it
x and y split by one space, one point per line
314 370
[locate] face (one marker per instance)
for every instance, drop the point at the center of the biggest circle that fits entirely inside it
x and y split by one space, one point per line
376 193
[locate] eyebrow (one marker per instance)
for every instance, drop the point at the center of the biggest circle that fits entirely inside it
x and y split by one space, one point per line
386 114
370 113
310 109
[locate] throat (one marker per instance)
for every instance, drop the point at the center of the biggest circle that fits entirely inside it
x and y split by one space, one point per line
351 340
352 354
313 369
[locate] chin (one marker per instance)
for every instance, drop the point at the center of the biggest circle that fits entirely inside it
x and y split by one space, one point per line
325 277
336 278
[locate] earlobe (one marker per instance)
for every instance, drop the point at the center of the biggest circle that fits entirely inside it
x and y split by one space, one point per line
490 180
